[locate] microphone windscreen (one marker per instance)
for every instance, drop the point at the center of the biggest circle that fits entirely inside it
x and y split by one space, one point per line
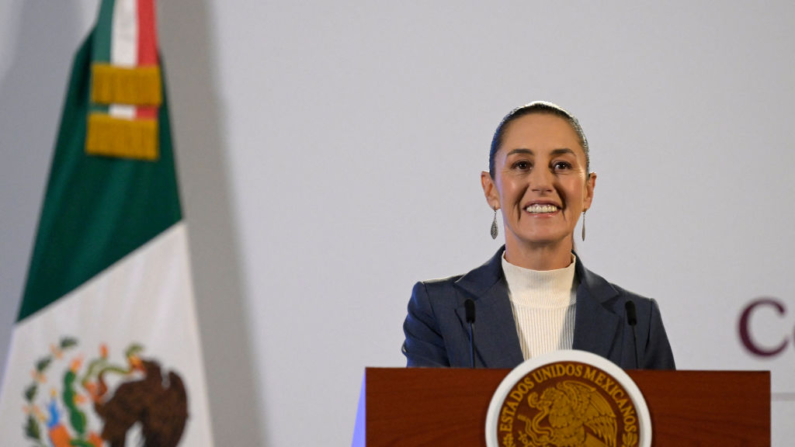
469 307
632 317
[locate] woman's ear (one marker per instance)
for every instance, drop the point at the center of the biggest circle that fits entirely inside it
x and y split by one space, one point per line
590 184
490 190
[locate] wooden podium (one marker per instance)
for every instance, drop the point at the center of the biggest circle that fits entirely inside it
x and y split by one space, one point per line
447 407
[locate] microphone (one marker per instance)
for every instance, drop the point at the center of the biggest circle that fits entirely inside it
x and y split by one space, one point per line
469 308
632 319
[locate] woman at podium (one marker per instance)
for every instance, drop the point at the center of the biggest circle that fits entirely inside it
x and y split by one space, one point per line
534 295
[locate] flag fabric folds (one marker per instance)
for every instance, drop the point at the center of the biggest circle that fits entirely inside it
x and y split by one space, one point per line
106 347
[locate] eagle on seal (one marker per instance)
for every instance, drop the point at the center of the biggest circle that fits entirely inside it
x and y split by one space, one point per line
571 407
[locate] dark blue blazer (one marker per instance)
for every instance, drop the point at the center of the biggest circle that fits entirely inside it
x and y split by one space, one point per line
437 333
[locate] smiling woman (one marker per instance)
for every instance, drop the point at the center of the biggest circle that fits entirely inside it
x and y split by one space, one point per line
534 296
539 179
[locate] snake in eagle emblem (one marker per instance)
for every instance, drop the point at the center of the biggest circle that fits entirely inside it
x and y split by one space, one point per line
577 416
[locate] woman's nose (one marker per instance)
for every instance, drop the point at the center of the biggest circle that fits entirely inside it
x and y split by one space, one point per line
541 180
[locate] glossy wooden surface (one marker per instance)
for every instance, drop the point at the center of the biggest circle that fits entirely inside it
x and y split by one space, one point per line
447 407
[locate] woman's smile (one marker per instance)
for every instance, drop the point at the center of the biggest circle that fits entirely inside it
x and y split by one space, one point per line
542 209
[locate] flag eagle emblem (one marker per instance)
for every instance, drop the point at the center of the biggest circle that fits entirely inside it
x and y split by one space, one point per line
92 402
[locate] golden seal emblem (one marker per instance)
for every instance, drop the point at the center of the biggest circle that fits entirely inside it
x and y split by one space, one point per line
568 399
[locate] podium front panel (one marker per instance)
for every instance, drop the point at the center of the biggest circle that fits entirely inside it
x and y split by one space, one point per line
447 406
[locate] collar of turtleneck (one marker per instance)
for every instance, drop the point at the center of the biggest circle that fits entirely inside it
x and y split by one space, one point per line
541 288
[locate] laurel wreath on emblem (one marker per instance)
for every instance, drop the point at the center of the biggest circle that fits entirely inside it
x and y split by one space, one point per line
145 396
629 440
569 407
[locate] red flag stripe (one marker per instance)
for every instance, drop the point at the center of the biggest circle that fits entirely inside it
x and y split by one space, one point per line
147 33
147 46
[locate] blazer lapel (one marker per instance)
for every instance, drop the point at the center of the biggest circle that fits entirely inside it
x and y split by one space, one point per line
595 328
496 339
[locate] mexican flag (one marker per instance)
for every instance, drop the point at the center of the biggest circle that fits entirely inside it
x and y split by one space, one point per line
106 350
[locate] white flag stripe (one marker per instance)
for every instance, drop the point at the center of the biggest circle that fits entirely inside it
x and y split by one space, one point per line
146 298
124 46
124 33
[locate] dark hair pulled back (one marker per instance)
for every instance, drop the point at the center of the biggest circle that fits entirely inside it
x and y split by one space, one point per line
540 107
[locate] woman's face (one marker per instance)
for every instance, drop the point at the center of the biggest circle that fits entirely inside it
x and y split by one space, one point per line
540 182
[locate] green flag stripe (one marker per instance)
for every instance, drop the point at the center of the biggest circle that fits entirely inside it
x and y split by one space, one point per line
96 209
102 32
103 41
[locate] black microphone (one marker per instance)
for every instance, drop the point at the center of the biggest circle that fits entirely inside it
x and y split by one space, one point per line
469 307
632 319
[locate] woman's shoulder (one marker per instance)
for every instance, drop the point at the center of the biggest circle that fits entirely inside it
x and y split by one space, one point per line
629 294
440 282
484 275
614 295
436 286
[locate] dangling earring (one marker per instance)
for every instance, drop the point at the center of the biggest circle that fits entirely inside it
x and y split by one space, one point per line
494 230
583 225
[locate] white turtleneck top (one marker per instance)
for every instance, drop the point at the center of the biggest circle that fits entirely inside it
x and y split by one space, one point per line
543 304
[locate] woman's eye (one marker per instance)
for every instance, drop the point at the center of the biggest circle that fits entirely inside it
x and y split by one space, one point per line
522 165
561 165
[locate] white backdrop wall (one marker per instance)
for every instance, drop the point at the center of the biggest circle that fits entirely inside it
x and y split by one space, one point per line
329 157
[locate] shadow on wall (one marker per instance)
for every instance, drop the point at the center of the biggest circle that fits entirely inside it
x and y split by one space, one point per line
185 38
31 97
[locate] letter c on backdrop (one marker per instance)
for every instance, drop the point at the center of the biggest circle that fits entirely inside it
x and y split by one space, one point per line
745 330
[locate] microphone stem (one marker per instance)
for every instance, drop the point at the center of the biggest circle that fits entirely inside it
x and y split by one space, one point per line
471 346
